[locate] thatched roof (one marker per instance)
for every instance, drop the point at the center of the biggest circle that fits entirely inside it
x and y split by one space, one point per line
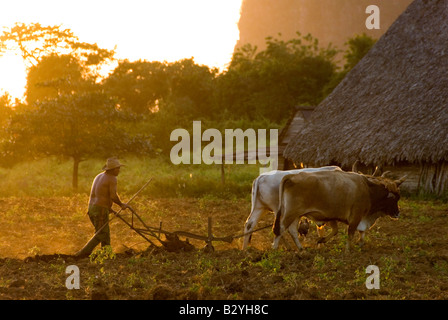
294 125
393 106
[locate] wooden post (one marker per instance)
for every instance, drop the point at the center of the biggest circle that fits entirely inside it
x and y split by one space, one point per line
209 246
223 176
160 228
209 224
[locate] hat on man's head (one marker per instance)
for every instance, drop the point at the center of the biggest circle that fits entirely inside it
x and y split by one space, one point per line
112 163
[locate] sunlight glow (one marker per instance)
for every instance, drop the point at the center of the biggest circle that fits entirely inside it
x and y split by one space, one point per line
152 30
12 75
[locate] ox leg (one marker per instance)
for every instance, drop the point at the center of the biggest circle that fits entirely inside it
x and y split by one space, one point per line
351 232
278 236
293 231
251 222
334 231
362 234
277 240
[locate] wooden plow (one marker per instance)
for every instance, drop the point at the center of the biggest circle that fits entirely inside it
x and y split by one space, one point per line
172 241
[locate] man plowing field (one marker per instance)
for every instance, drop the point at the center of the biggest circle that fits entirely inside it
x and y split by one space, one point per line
102 195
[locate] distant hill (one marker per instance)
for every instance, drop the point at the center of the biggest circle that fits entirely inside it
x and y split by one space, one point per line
330 21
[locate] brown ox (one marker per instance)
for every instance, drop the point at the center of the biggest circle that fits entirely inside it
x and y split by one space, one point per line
332 196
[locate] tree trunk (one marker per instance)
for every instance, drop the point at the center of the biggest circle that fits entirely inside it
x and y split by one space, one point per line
223 174
76 162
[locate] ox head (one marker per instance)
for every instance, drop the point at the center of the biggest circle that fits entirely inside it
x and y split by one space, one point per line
384 192
384 195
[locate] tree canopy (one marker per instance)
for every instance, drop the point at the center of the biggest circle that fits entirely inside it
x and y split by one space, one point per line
70 113
271 82
77 126
67 113
53 76
35 41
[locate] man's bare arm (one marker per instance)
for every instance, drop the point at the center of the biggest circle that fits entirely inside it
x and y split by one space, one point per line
114 195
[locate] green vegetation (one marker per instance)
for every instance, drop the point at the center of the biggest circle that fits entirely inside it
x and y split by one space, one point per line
50 177
102 254
70 112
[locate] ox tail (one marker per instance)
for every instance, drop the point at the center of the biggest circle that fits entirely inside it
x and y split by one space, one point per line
254 193
276 227
278 215
249 223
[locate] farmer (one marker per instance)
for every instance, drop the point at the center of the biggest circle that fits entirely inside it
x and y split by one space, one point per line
102 195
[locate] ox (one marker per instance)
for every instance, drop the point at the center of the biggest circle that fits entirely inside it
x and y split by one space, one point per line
265 197
331 196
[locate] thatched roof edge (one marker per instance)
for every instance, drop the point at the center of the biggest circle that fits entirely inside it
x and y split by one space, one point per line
393 106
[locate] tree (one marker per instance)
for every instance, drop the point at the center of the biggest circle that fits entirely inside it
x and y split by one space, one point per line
268 84
144 87
138 86
35 41
77 126
165 95
6 111
192 84
56 60
53 76
358 46
67 114
190 97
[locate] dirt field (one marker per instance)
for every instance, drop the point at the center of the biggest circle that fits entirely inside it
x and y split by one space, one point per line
39 235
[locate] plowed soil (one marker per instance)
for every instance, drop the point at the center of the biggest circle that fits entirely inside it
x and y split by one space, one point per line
38 237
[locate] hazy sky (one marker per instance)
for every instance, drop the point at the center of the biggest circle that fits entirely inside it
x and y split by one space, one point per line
154 30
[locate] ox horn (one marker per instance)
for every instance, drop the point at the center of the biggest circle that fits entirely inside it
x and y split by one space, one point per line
401 180
377 171
355 166
385 174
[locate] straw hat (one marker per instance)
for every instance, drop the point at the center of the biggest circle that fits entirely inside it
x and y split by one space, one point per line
112 163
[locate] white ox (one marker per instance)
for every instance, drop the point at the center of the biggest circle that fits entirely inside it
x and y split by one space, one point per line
265 197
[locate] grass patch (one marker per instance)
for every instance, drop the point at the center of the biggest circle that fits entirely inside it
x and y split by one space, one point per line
52 177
